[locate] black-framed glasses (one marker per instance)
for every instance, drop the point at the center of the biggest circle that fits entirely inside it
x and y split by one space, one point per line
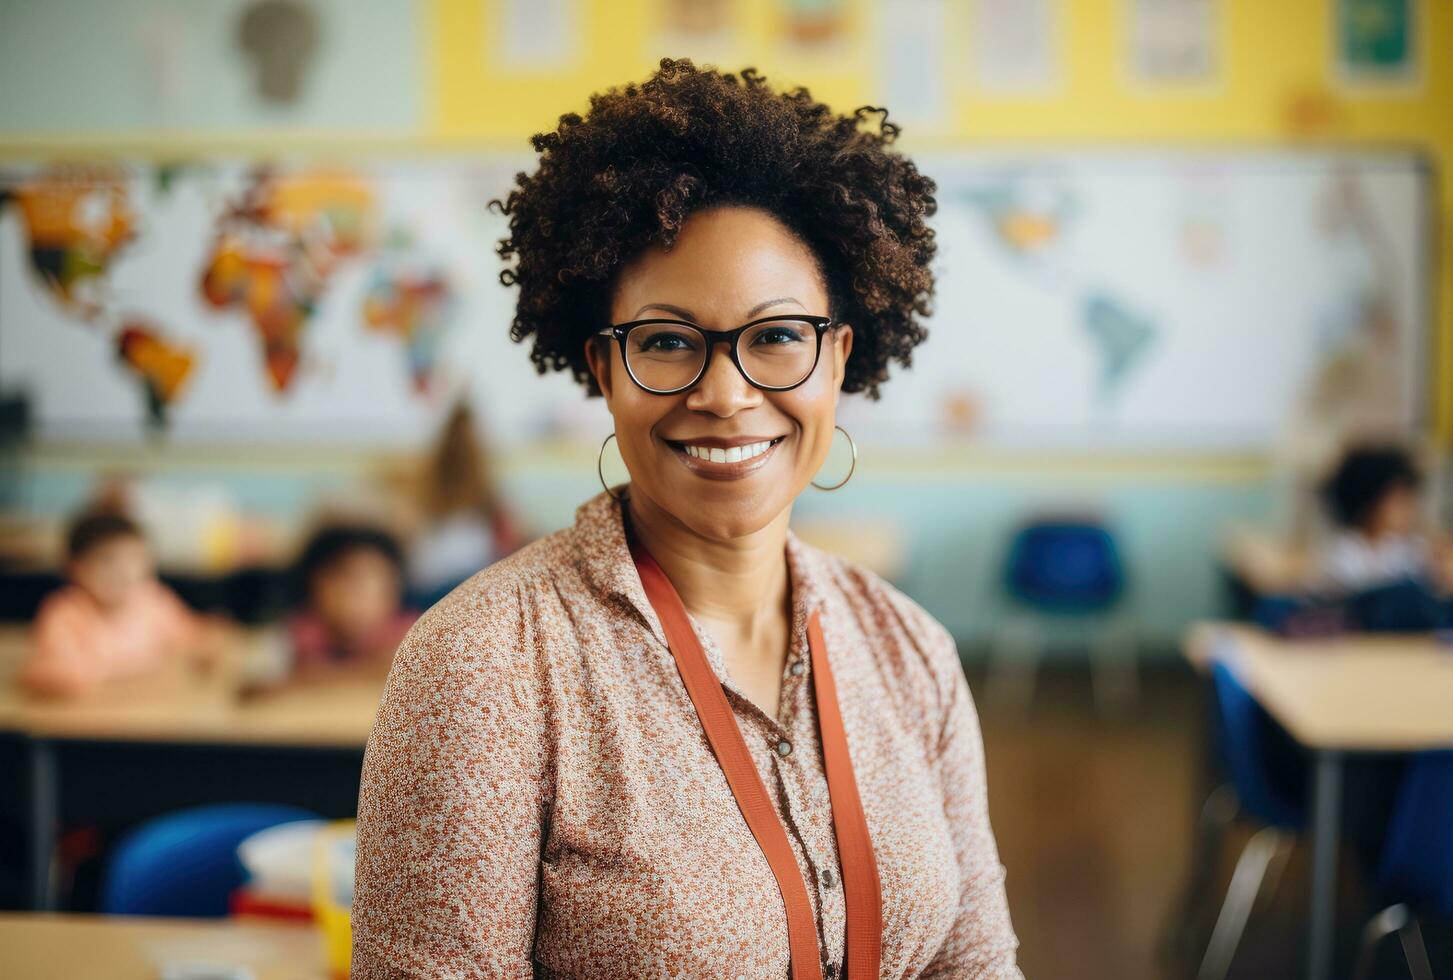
665 356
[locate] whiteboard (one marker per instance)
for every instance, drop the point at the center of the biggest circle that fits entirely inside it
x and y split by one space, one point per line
1091 299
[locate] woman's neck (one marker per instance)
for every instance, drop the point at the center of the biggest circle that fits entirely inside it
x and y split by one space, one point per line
740 580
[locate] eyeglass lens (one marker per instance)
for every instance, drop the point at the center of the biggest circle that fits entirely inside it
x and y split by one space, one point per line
666 356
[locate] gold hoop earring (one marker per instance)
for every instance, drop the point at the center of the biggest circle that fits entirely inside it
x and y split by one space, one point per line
600 471
854 447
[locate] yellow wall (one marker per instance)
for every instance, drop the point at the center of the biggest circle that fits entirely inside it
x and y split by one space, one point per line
1275 57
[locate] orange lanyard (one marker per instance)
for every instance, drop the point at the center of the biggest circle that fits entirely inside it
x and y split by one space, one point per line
864 930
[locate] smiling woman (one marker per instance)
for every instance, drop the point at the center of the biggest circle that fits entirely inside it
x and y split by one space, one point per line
724 259
674 739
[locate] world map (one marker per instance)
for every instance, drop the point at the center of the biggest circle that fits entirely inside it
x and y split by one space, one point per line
1028 225
276 247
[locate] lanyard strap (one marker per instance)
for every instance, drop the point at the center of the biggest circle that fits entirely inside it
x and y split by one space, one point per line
864 927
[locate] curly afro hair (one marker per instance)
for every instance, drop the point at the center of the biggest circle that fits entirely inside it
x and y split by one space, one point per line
1363 478
645 157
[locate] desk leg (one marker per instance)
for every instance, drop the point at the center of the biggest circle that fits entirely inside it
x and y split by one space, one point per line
44 807
1326 818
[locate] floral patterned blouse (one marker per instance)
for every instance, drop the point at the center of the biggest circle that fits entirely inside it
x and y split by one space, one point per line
539 798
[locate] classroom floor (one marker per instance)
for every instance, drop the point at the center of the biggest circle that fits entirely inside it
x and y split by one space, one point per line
1095 819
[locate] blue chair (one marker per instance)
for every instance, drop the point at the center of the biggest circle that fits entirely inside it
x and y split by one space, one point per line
1242 726
1406 606
1300 616
1416 869
1067 567
1058 570
1403 606
185 863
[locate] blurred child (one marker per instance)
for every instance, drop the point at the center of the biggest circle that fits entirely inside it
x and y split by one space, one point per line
353 615
466 524
1373 498
114 619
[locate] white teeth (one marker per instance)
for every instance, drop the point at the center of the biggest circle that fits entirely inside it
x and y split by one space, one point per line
735 454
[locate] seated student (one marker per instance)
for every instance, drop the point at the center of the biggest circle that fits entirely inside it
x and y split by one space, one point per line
465 523
114 619
1373 497
353 615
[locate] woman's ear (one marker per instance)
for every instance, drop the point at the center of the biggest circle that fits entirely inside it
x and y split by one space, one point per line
598 359
842 346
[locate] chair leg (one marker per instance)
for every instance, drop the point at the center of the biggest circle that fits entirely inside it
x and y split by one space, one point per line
1275 869
1014 662
1240 897
1414 951
1114 671
1390 920
1183 932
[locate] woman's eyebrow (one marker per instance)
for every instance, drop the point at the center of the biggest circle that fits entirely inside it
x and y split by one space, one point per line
686 314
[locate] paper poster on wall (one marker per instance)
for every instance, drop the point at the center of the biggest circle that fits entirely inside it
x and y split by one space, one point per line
1172 41
915 61
536 35
703 30
812 25
1014 44
1377 43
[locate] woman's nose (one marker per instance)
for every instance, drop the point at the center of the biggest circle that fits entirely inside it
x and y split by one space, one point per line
722 390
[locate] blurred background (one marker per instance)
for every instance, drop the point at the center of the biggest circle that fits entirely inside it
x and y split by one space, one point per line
1191 270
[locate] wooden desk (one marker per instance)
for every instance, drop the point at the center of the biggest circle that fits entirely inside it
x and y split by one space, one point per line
179 707
1266 562
63 947
183 706
1356 693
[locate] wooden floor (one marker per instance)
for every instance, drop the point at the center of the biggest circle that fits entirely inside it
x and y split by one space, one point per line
1094 818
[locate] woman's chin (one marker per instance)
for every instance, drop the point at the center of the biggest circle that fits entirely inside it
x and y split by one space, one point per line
726 510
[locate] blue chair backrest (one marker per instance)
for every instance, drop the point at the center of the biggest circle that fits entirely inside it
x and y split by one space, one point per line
1417 859
1241 736
185 863
1065 566
1405 606
1300 616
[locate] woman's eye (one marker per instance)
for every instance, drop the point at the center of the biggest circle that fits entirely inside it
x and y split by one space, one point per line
665 342
778 335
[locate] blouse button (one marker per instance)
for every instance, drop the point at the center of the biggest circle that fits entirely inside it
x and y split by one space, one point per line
829 970
784 748
797 668
827 877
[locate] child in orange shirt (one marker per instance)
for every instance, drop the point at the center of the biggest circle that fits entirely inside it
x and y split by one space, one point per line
114 619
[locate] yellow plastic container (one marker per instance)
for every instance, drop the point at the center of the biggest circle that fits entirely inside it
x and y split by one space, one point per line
333 851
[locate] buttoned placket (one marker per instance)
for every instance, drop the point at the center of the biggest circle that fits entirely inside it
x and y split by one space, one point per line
805 818
809 809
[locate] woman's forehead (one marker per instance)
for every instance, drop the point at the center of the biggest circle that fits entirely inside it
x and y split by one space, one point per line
725 263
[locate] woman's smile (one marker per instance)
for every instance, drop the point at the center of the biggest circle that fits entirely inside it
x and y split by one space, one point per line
724 459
